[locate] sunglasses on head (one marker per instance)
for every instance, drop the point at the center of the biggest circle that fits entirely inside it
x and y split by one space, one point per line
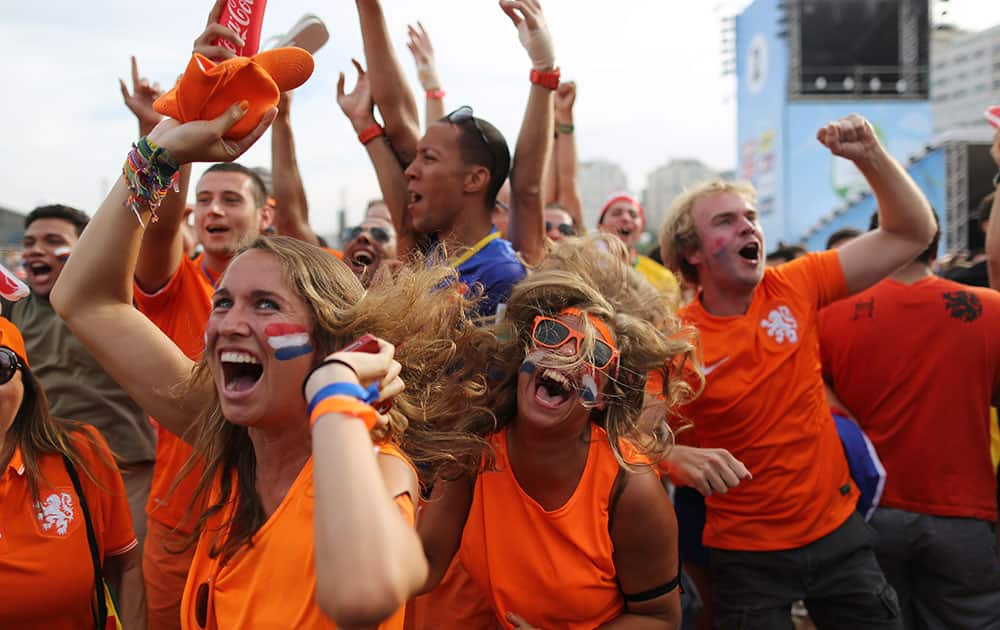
463 115
379 234
9 363
549 332
566 229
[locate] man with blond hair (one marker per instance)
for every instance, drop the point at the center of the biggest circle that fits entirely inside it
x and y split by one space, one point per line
784 528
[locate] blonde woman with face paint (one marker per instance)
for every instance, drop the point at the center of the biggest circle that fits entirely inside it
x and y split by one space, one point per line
568 528
307 525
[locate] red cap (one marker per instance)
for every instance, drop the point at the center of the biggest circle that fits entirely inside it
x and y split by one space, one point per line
10 337
207 89
622 196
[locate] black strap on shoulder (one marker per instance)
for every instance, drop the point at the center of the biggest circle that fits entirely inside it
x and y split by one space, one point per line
101 614
654 592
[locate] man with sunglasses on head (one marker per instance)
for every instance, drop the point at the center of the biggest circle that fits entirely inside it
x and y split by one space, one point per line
371 242
448 191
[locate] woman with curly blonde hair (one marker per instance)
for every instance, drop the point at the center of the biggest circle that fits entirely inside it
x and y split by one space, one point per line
305 523
569 527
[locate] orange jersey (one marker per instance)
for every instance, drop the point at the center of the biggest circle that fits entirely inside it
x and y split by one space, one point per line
180 309
46 571
336 253
457 602
917 365
764 402
553 568
271 584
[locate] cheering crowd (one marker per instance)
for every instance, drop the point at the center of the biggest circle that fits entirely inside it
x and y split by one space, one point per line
483 413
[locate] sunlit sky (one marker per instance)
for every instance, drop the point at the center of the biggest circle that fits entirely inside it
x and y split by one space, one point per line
649 75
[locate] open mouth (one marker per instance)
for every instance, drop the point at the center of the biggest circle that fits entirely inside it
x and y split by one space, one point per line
216 229
552 388
240 371
39 269
624 233
362 258
750 252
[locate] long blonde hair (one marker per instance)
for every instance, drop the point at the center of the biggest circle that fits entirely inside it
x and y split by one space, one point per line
591 274
439 420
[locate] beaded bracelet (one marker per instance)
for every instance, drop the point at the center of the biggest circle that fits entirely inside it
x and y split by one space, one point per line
344 405
149 172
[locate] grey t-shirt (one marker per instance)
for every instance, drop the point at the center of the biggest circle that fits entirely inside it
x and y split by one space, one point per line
76 386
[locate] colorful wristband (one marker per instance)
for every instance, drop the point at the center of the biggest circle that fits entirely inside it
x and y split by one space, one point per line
344 405
338 389
547 79
369 134
436 93
564 129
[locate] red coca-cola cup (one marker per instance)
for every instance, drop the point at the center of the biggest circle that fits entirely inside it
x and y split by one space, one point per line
243 17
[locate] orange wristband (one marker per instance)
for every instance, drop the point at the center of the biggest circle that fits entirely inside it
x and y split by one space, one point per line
344 405
369 134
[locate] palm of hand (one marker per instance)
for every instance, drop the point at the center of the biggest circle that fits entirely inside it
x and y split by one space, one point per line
358 101
140 102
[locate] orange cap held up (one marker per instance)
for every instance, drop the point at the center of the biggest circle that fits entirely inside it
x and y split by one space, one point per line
207 89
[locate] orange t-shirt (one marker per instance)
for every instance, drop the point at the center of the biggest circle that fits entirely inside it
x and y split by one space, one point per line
46 572
553 568
271 584
457 602
333 252
917 365
180 309
764 402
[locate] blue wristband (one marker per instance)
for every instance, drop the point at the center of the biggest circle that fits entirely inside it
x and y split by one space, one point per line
345 389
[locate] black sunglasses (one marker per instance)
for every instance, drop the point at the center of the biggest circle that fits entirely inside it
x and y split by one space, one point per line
379 234
566 229
463 115
9 363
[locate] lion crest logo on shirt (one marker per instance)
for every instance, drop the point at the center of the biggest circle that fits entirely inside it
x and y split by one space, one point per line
963 305
781 325
55 513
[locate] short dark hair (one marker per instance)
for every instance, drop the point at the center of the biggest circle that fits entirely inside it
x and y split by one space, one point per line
928 254
259 189
494 154
842 235
77 218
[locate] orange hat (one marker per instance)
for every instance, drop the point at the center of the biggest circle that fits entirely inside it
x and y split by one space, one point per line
10 337
207 89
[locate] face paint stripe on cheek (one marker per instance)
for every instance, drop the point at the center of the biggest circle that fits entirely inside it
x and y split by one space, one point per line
289 341
62 253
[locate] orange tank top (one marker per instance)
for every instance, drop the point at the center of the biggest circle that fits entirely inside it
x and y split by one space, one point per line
271 584
553 568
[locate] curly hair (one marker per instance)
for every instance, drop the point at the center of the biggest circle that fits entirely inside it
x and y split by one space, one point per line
591 274
439 420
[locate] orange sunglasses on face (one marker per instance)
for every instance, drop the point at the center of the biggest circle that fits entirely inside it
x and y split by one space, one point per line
549 332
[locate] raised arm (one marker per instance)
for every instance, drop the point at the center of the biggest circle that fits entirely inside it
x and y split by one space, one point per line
292 213
369 560
423 54
993 231
389 89
94 292
534 142
568 167
906 224
163 241
358 107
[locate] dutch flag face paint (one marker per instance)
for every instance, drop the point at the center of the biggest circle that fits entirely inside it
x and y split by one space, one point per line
62 253
588 388
289 341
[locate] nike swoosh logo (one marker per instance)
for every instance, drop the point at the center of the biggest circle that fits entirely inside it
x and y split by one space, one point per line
711 368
